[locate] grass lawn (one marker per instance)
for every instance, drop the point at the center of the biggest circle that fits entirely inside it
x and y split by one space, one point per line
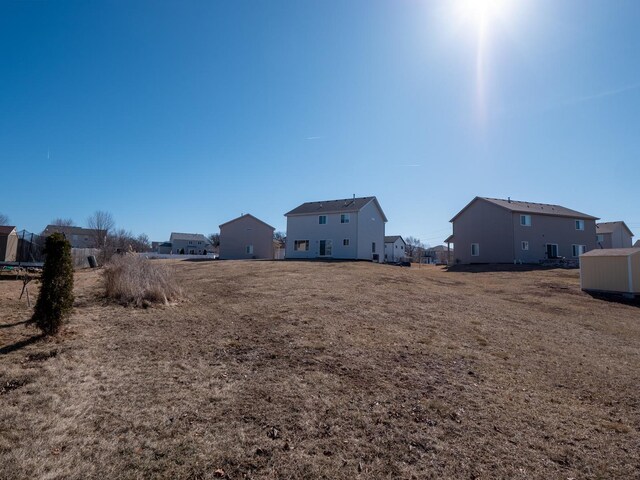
278 370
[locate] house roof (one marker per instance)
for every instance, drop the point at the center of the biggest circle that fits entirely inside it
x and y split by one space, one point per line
393 238
188 236
609 227
345 205
68 230
530 207
437 248
449 239
611 252
6 229
246 216
637 244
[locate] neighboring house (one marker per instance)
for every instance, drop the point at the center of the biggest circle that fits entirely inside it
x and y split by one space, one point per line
394 249
613 235
351 229
78 237
637 244
491 230
246 237
189 244
279 249
438 255
163 248
8 243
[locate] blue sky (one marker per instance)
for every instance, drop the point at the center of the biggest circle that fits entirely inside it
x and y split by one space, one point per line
179 116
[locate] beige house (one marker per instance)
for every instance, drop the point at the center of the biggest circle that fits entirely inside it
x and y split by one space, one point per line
613 235
614 270
78 237
188 244
8 243
246 237
491 230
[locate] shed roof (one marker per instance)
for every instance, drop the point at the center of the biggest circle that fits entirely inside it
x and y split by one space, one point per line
246 216
345 205
612 252
6 229
609 227
393 238
530 208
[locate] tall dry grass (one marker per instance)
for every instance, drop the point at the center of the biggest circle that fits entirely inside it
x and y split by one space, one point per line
134 280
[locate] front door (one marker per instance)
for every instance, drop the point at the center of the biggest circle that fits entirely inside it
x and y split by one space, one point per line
552 250
326 248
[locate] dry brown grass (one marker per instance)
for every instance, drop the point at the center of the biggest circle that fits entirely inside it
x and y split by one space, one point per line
342 371
131 279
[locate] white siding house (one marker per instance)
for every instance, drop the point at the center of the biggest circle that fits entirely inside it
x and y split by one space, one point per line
352 228
394 249
189 244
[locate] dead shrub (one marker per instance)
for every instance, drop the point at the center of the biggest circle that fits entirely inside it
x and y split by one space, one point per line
135 280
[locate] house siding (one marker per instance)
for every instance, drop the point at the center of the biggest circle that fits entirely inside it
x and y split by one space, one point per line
394 251
488 225
370 229
306 227
235 236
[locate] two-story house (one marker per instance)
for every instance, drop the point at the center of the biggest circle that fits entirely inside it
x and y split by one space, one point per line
351 228
491 230
78 237
189 244
394 249
246 237
613 235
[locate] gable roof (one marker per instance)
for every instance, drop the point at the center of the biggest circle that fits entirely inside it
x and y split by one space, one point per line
393 238
609 227
188 236
246 216
6 229
637 244
437 248
345 205
529 208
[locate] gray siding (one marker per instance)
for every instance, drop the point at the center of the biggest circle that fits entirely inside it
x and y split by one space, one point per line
191 247
489 226
370 230
237 235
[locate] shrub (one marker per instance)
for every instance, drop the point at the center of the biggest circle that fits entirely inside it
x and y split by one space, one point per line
131 279
55 300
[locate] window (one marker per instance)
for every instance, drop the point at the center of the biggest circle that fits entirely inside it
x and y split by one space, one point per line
579 224
525 245
301 245
552 250
475 249
322 219
579 250
373 247
345 242
326 248
525 220
600 238
250 249
344 218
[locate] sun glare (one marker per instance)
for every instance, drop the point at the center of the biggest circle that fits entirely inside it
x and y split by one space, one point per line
483 10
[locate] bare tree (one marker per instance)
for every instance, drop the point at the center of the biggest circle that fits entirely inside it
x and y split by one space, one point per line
63 222
214 238
4 220
279 236
102 224
415 248
142 243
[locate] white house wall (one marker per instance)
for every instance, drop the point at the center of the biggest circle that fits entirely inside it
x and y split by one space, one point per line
370 229
306 227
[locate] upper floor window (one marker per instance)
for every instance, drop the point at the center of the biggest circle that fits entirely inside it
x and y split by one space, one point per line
322 219
475 249
579 224
345 242
525 220
344 218
599 238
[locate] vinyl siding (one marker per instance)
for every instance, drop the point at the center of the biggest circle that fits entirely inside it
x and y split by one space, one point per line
237 235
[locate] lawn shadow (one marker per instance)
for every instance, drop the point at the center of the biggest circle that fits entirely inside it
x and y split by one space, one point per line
616 298
9 325
500 267
21 344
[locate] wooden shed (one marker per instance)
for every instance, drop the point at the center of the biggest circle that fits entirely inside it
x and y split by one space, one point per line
612 270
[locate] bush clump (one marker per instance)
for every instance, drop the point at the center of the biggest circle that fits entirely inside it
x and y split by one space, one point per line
55 300
135 280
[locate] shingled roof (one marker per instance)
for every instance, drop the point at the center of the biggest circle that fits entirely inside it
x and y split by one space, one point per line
609 227
188 236
345 205
393 238
6 229
530 208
